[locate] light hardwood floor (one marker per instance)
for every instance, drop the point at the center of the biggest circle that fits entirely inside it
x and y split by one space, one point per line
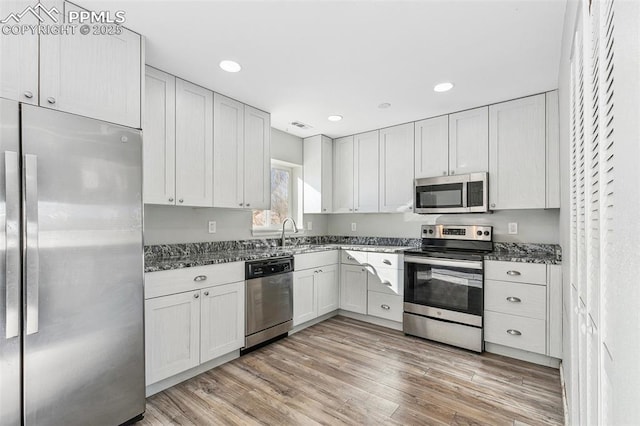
344 371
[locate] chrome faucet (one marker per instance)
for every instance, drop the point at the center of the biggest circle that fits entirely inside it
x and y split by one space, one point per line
284 222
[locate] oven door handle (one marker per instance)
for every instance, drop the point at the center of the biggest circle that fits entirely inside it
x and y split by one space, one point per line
444 262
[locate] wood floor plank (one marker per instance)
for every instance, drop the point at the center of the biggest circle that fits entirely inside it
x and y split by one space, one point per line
346 372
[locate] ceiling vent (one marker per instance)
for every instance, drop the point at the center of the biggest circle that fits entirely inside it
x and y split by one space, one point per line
300 125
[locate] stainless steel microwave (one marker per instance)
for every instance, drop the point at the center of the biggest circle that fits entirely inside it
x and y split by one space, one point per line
452 194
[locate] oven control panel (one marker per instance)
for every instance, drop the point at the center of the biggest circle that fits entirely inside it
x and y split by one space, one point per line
458 232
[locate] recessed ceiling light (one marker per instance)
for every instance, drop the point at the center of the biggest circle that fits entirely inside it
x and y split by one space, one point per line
384 105
230 66
334 118
443 87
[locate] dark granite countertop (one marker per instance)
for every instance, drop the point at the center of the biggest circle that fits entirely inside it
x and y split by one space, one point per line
549 254
166 263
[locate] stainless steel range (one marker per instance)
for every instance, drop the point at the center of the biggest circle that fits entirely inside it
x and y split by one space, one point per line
443 285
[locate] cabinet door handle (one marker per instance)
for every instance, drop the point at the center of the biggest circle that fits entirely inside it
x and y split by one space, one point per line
386 283
315 272
324 210
240 204
514 332
171 200
206 293
350 210
514 299
320 270
385 307
28 94
248 205
195 296
444 173
200 278
493 204
51 100
181 200
363 269
350 258
513 273
453 172
386 262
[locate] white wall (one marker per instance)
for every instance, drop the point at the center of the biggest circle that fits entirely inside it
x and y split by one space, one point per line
534 226
286 147
177 224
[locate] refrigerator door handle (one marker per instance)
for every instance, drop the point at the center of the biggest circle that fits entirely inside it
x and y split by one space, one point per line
12 239
31 256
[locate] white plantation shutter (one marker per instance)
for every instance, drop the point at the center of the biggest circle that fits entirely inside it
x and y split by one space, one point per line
592 183
606 70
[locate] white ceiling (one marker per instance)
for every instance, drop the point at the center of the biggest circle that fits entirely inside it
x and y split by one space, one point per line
306 60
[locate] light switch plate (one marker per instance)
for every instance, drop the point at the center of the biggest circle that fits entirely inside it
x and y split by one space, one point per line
513 227
212 226
353 226
309 226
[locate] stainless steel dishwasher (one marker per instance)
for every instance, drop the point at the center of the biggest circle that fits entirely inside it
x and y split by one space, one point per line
269 299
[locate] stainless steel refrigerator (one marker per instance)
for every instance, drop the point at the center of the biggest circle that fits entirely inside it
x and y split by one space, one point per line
71 264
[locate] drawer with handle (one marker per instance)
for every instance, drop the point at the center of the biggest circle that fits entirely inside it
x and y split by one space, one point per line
385 306
315 260
528 334
353 257
162 283
525 300
386 260
533 273
385 280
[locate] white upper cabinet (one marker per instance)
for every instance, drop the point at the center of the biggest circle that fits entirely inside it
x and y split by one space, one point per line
432 147
228 152
257 158
343 175
318 174
159 138
19 57
366 172
468 141
194 145
553 151
396 171
517 177
97 76
241 145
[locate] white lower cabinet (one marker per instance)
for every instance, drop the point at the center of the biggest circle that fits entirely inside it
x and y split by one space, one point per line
327 289
387 306
515 331
315 288
372 283
184 329
523 306
172 334
221 320
304 301
353 288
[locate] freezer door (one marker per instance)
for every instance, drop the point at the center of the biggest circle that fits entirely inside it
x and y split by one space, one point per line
83 270
10 290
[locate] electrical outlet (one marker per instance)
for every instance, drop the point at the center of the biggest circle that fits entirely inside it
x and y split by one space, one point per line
212 226
513 227
353 227
309 226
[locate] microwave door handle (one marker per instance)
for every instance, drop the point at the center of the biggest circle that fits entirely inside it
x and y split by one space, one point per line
443 262
465 201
